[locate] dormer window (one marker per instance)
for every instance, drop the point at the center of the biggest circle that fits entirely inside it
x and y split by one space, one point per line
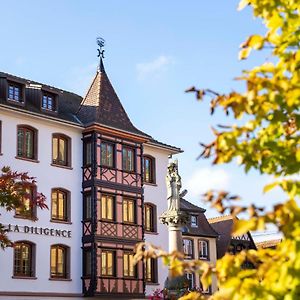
194 221
15 92
48 102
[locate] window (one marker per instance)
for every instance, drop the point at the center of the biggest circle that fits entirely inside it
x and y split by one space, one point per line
151 270
87 262
27 142
107 207
188 248
15 92
107 263
129 269
87 207
59 262
128 210
48 101
60 205
87 158
61 150
203 249
128 159
149 169
150 217
27 209
24 259
194 221
207 291
191 279
107 154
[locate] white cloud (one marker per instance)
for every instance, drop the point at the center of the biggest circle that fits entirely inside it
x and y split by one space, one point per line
205 179
154 67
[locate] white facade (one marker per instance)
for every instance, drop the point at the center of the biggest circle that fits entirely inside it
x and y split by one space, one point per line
157 195
47 177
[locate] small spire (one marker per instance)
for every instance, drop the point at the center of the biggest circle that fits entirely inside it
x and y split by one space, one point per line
101 43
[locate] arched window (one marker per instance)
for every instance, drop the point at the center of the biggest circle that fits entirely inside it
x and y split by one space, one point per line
60 205
188 248
27 142
27 210
149 169
59 261
203 249
24 253
150 217
61 150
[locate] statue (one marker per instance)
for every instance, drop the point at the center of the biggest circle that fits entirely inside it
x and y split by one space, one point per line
173 181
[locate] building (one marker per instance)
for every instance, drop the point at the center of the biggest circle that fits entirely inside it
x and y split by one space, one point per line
269 244
227 243
199 242
105 186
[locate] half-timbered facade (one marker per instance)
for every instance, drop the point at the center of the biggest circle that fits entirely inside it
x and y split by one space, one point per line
107 178
227 243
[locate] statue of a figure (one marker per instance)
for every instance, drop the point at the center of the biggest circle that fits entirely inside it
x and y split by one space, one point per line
173 181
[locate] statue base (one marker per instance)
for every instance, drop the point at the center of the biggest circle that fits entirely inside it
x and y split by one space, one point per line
176 287
174 217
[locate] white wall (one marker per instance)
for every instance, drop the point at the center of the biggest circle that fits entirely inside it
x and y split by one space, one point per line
47 177
157 194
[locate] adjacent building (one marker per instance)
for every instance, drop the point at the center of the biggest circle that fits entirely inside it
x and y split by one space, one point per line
227 243
199 242
104 180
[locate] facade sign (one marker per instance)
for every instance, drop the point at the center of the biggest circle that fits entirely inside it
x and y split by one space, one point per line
39 230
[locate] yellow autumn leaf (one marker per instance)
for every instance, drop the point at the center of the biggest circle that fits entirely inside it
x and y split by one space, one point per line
243 4
244 53
270 186
242 226
255 41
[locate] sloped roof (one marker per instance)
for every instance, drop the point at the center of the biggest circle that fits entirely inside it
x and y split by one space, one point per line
223 225
105 110
268 244
204 228
102 105
67 105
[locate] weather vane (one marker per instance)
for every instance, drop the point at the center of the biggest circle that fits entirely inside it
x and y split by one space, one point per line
101 43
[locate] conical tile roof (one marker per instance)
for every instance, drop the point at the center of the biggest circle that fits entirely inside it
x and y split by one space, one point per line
101 105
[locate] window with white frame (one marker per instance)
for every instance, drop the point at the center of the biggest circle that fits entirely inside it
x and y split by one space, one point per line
194 221
203 249
188 248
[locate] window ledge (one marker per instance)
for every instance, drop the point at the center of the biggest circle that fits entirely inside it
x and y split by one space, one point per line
17 102
61 166
60 221
152 283
60 279
34 219
23 277
27 159
151 232
150 183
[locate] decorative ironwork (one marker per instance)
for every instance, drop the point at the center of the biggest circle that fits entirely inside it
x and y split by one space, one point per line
100 43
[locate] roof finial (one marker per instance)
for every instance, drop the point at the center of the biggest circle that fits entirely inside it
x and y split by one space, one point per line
101 43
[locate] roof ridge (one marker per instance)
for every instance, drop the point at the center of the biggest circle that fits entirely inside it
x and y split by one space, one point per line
37 82
220 218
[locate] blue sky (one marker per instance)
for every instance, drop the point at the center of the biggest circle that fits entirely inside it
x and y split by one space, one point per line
154 51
